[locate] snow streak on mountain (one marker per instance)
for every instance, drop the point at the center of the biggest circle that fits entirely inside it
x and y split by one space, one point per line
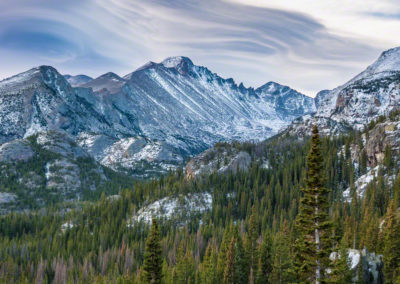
159 114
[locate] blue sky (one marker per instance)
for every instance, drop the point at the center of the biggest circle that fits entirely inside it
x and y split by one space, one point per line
306 44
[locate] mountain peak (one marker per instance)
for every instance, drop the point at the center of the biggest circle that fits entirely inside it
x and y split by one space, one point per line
269 87
176 61
110 75
388 61
181 64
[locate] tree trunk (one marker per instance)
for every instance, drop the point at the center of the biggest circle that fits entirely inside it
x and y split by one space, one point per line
318 245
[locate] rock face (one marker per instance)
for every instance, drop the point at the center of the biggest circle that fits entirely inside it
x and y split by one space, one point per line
16 150
178 209
385 134
372 265
374 92
152 118
46 167
221 159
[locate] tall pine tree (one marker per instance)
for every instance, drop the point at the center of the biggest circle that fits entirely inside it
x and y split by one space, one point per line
391 245
251 244
265 260
230 265
153 256
313 225
208 269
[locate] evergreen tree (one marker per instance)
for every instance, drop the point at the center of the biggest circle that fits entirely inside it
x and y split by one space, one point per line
265 260
208 268
282 263
241 262
152 266
224 247
340 267
229 271
313 225
251 243
184 266
391 245
388 160
360 270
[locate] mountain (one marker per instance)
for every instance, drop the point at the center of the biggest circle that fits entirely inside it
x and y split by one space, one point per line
41 100
149 120
374 92
109 82
50 167
77 80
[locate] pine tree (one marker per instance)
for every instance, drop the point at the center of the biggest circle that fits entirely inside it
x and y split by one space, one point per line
360 270
340 267
251 243
391 245
241 262
152 266
229 271
282 263
208 268
224 247
265 260
388 160
184 266
313 225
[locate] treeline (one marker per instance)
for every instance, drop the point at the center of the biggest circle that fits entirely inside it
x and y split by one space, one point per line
247 237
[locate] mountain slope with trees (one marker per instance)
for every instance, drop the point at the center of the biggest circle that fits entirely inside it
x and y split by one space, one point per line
247 234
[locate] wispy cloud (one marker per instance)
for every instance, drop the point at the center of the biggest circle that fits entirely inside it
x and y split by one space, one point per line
309 45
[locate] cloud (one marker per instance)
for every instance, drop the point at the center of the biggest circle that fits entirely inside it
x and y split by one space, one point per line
309 45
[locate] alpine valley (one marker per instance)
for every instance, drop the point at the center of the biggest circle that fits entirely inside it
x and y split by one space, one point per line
227 176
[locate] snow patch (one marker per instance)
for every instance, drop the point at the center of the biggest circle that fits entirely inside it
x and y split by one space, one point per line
362 182
353 257
169 207
67 226
6 197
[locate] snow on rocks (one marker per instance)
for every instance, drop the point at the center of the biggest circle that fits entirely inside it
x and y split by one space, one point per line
222 159
126 152
362 182
372 93
67 226
180 109
16 150
62 174
372 264
173 207
6 197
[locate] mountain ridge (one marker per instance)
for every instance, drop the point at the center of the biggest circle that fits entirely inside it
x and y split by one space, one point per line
372 93
160 113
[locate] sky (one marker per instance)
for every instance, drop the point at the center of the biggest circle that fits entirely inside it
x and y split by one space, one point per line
308 45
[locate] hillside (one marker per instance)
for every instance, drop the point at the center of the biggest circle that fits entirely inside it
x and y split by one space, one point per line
200 213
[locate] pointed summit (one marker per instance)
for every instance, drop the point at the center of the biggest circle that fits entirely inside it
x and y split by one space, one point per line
388 61
108 81
176 61
181 63
270 87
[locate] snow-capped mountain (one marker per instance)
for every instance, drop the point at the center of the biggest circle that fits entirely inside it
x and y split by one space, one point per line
109 82
160 113
41 99
77 80
374 92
